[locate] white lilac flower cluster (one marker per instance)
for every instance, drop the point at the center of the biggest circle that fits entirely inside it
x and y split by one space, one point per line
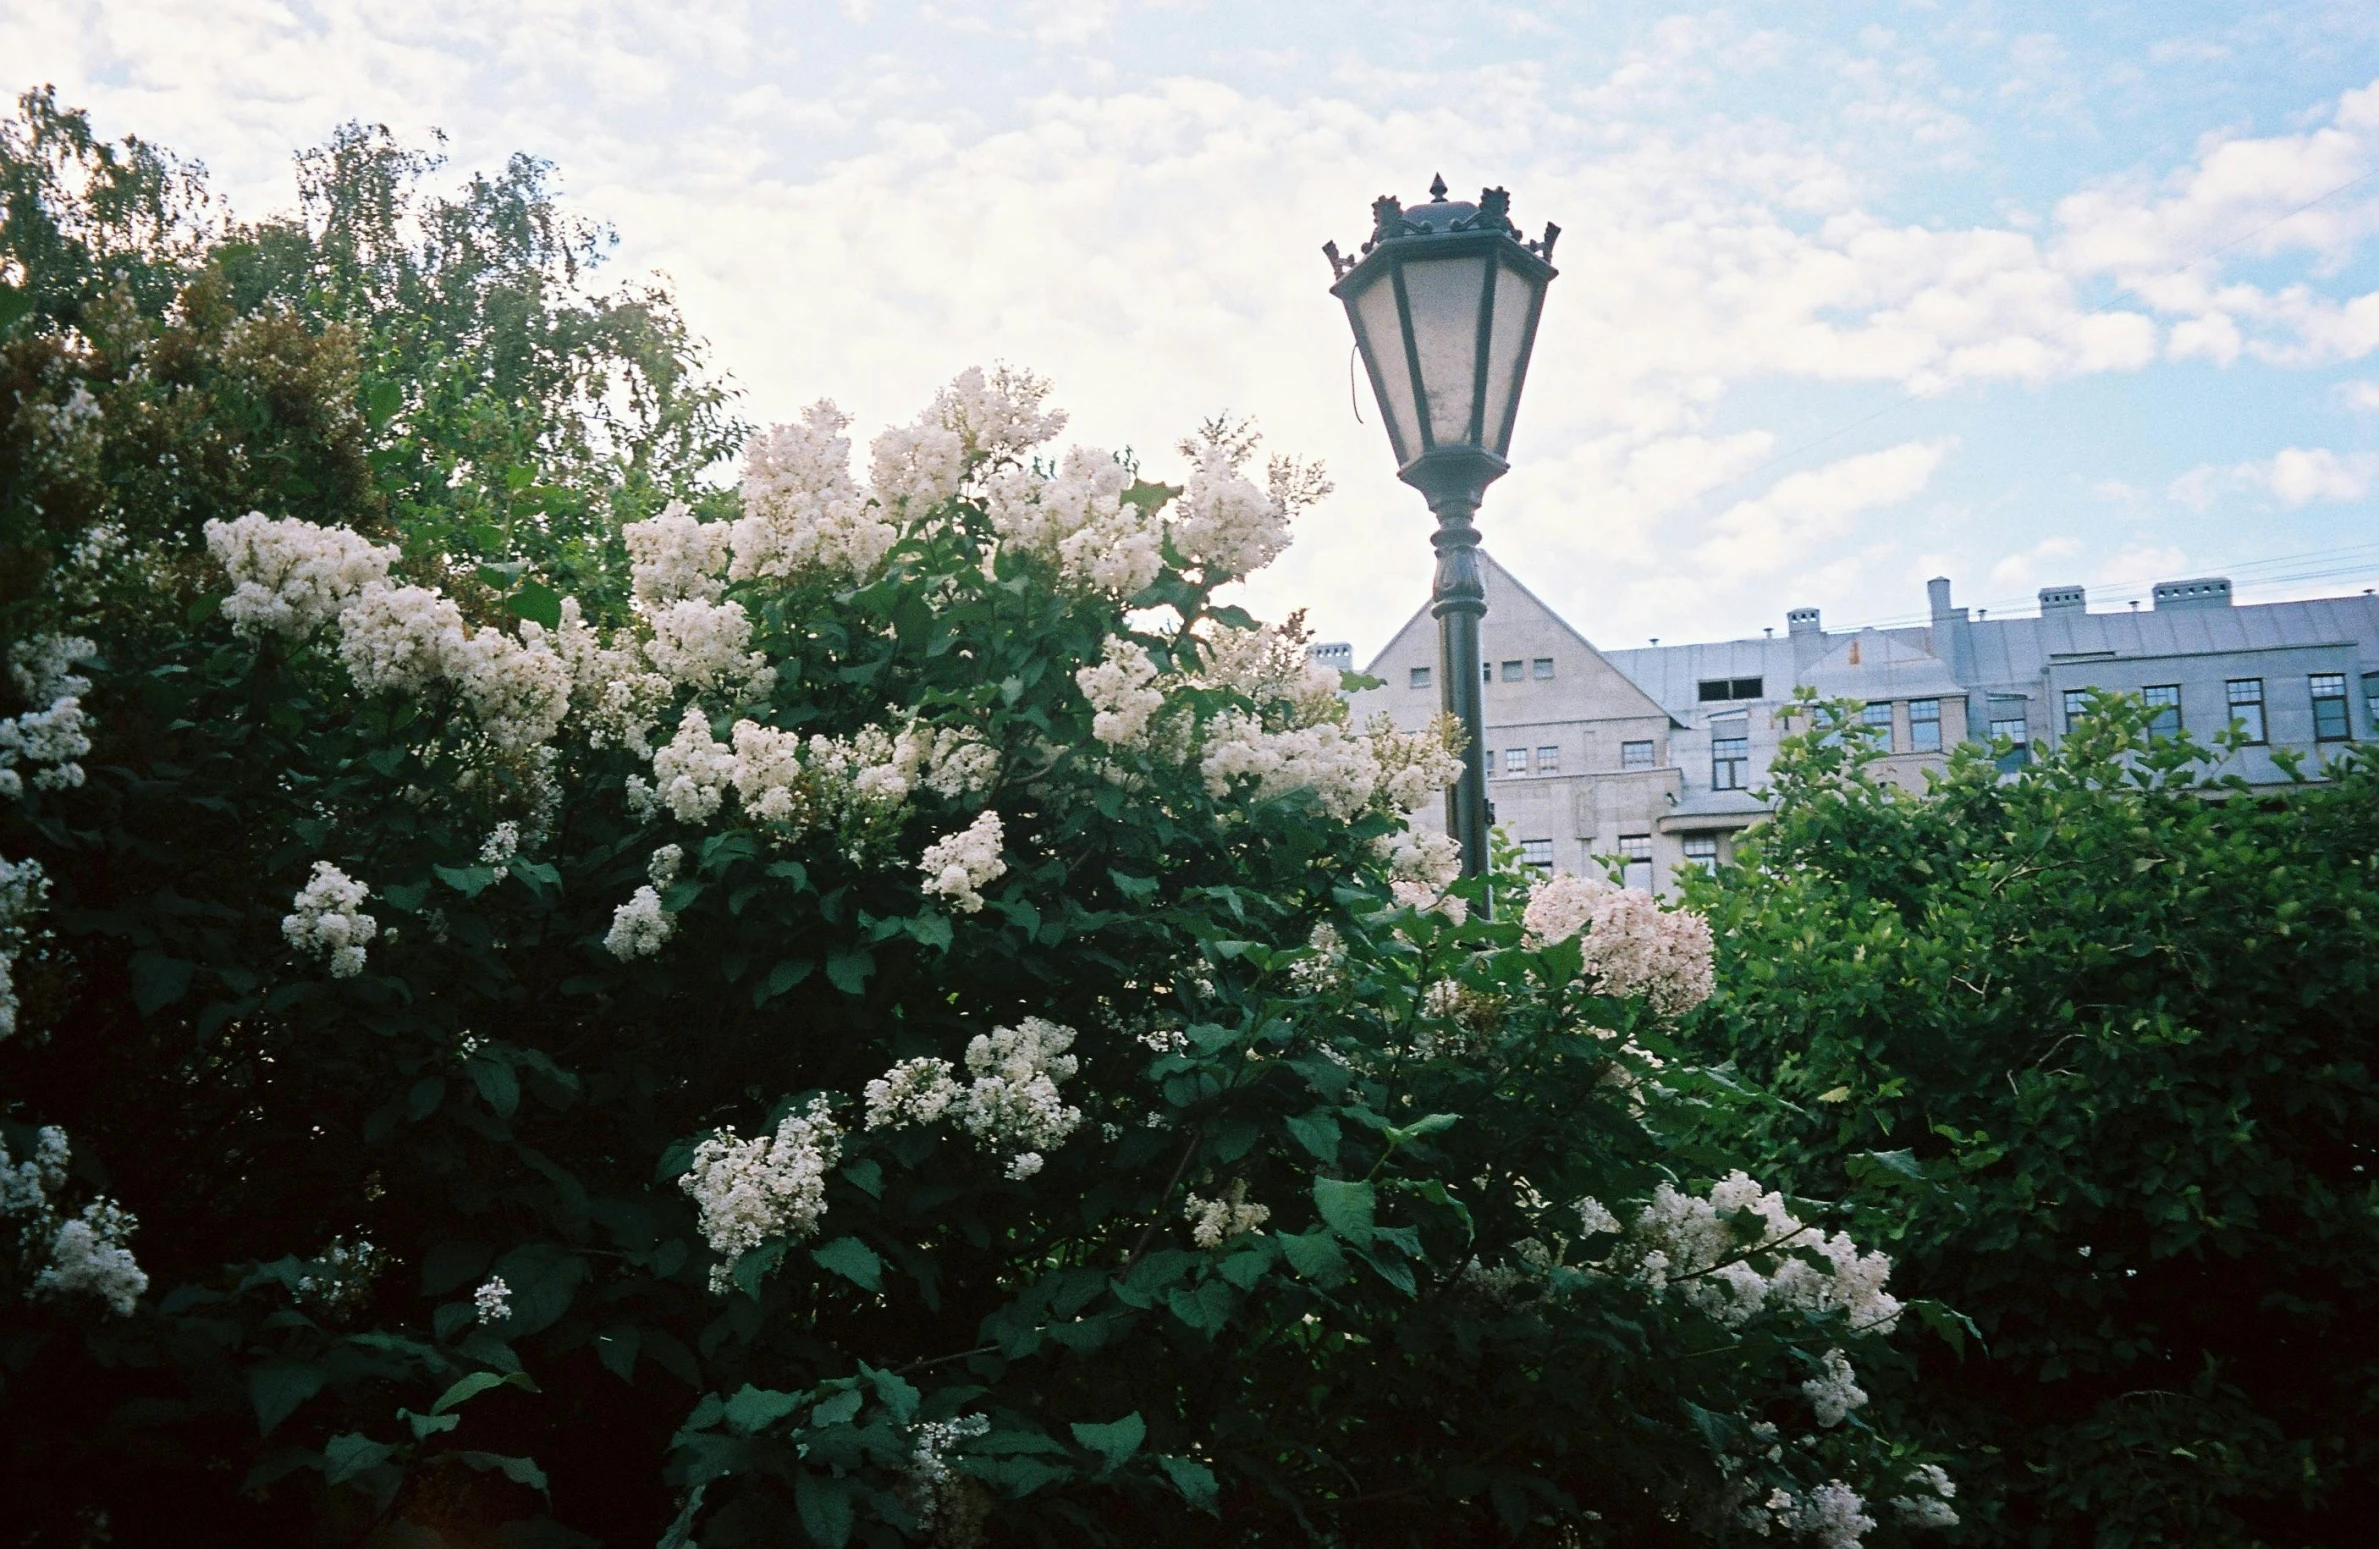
1428 898
639 927
492 1302
675 556
749 1191
1834 1392
1710 1251
857 786
81 1255
339 1279
1011 1103
51 736
1079 520
329 921
1226 525
1420 855
1122 692
1929 1505
1832 1516
289 578
24 891
959 866
1215 1221
802 513
501 847
1325 969
950 1509
1631 945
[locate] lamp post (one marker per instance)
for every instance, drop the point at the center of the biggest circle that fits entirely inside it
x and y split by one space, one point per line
1444 300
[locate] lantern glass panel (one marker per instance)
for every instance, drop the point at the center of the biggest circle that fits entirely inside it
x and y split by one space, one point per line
1443 294
1380 333
1507 353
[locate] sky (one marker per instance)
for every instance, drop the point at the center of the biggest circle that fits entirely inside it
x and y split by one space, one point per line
1851 295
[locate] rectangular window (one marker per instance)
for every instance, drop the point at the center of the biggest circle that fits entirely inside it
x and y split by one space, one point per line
1515 761
2077 705
1635 755
1637 850
1542 667
1701 849
1548 761
1924 725
2246 706
2164 709
2370 699
2329 707
1730 753
1486 672
1878 719
1420 677
1537 853
1717 690
2012 729
1511 672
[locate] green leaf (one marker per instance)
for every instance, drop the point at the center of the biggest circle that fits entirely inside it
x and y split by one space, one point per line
426 1426
343 1457
470 881
852 1259
755 1409
522 1471
1317 1132
158 981
473 1384
824 1503
543 1278
931 929
276 1388
497 1084
1194 1480
847 971
1430 1125
866 1175
381 400
1114 1441
840 1409
538 603
1315 1256
781 978
1347 1206
1138 889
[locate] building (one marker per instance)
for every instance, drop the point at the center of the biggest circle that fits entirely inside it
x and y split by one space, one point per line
1657 755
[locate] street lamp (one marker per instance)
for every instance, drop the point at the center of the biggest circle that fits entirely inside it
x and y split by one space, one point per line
1444 302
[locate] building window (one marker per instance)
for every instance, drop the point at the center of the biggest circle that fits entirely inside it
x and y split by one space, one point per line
2012 729
2246 706
1542 667
2077 705
1537 853
1511 672
1924 725
1730 753
2329 707
1515 761
1420 677
1636 850
1878 719
1635 755
1548 761
2164 709
2370 698
1701 849
1715 690
1486 672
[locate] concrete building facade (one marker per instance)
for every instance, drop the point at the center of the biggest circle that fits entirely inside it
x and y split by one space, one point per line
1658 755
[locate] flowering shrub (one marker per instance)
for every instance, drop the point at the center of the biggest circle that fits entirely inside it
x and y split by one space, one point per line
2095 1040
850 1011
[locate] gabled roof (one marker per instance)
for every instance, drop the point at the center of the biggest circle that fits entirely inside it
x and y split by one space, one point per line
1498 580
1874 664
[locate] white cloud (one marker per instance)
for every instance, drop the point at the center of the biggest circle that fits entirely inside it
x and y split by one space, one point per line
2294 476
2362 395
1803 510
2027 568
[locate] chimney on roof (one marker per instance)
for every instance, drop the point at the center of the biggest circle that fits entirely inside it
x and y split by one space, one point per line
1949 629
1802 621
2063 599
1809 640
1937 592
2204 592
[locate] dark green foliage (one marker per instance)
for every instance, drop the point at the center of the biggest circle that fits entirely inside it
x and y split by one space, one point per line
2097 1040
